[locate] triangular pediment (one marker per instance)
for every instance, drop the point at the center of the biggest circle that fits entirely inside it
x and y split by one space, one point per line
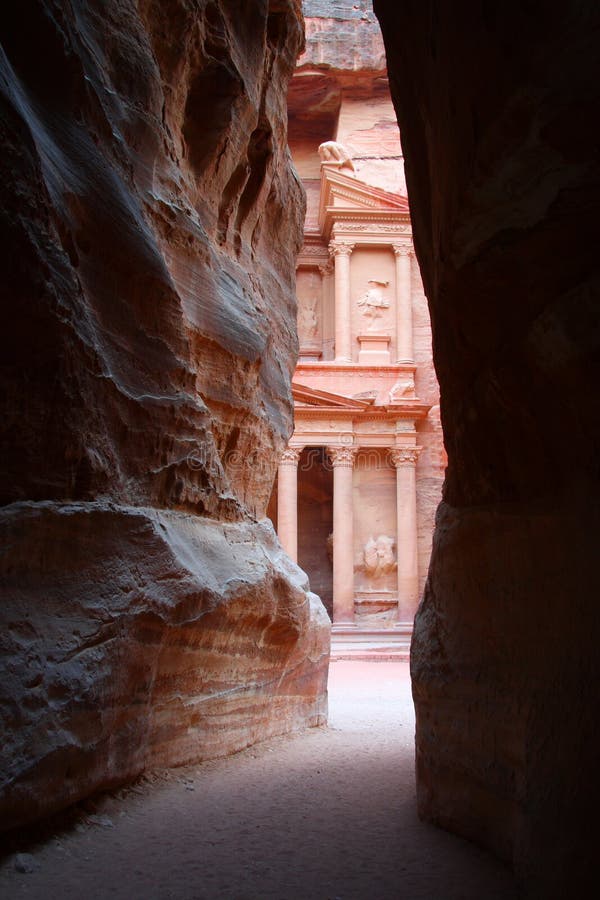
310 397
344 198
344 190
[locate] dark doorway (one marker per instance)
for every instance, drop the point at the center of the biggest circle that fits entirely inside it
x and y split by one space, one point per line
315 522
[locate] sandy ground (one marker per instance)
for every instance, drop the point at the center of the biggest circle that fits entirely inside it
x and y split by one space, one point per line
324 815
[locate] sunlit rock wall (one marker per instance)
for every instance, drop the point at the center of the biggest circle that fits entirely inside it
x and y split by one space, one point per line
498 108
149 227
342 91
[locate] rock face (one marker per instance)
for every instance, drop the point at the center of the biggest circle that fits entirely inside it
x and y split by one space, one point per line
343 36
150 223
498 114
340 91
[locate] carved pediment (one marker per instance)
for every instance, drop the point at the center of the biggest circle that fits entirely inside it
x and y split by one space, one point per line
310 397
344 197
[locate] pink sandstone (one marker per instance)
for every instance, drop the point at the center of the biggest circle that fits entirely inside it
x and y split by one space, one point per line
150 226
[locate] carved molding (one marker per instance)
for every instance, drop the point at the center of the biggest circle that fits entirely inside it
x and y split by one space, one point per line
374 227
290 456
405 456
342 456
349 195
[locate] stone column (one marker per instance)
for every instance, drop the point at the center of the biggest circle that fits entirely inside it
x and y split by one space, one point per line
404 326
405 461
343 535
327 338
287 501
341 250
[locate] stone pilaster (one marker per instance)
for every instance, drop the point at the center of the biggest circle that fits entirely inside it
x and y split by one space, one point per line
405 461
287 501
404 324
342 459
341 251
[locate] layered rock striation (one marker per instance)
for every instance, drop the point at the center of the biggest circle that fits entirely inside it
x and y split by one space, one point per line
150 223
497 112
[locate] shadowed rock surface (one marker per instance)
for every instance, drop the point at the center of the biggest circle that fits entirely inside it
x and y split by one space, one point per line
150 223
498 110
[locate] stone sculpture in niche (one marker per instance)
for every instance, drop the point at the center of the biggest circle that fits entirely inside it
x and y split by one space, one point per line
334 154
308 323
308 313
379 556
404 388
373 302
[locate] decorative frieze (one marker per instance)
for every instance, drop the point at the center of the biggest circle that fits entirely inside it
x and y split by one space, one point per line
375 228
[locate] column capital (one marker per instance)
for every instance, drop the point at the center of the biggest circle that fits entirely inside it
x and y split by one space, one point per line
342 456
404 456
290 456
326 268
403 249
340 248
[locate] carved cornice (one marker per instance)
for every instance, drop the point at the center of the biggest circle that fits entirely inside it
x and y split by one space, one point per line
405 456
340 248
290 456
342 456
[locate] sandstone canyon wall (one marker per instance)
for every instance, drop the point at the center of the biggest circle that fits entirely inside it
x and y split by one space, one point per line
498 109
150 223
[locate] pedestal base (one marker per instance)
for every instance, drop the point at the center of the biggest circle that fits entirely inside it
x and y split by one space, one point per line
374 349
310 353
372 644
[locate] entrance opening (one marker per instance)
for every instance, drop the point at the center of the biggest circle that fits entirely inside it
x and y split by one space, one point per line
315 522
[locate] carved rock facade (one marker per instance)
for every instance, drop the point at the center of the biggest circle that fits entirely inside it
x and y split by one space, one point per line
365 380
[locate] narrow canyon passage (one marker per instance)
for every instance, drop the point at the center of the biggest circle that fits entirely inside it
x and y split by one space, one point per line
329 813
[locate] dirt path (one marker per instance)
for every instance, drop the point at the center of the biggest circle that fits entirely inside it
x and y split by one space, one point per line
323 815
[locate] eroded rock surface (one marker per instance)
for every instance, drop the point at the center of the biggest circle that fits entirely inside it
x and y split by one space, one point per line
150 223
498 112
343 36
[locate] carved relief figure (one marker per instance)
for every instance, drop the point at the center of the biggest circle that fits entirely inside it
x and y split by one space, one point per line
373 302
404 387
308 320
308 323
379 556
336 154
